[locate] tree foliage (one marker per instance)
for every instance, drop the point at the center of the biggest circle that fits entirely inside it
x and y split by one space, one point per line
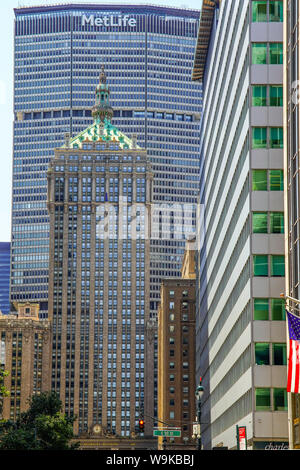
42 427
3 390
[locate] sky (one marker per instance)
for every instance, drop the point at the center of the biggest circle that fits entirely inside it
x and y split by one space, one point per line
6 90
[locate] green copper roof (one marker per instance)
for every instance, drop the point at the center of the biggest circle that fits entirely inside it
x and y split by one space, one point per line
102 130
101 133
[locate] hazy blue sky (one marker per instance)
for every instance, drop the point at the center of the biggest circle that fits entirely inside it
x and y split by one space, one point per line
6 90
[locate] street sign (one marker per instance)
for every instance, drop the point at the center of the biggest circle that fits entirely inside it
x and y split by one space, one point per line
166 432
241 432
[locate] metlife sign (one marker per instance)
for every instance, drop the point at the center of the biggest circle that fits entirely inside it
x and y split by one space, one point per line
108 21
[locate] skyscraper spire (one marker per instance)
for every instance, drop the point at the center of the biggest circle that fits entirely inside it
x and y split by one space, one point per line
102 110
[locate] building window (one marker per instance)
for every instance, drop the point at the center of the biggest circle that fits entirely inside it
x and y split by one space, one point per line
259 137
262 354
279 354
278 309
276 11
261 140
276 137
261 309
260 266
276 180
277 266
263 399
276 95
264 222
276 222
280 399
260 222
259 95
259 53
259 180
259 11
276 53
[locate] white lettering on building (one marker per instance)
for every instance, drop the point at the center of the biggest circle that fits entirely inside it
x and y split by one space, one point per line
107 21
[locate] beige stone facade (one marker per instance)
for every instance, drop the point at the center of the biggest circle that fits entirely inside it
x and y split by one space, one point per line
99 201
25 354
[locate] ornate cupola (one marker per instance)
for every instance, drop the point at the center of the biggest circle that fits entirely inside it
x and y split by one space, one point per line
102 111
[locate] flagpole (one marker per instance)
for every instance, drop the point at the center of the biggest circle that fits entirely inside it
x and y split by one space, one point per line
290 298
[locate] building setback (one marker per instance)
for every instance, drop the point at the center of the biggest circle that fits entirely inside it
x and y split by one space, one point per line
99 196
291 162
240 328
25 344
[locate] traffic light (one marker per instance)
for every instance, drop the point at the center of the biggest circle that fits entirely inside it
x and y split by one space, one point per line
141 425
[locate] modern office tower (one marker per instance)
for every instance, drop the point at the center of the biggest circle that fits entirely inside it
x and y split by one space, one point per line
241 332
4 276
291 162
148 54
99 196
25 344
176 355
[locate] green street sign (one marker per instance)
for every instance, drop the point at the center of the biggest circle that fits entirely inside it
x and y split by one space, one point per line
166 433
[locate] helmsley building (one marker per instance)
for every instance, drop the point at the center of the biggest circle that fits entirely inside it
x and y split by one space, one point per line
99 195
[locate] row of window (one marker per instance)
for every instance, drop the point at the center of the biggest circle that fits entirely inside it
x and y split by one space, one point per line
270 354
267 137
267 11
268 265
267 95
267 53
265 309
268 222
271 399
267 180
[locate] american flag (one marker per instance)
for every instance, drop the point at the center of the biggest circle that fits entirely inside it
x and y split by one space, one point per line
293 383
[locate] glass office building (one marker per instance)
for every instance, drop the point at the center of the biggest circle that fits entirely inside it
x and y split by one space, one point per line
148 56
4 276
241 330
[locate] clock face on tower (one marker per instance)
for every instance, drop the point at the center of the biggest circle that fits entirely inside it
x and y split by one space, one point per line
97 428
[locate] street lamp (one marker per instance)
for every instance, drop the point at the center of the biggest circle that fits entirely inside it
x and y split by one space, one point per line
199 394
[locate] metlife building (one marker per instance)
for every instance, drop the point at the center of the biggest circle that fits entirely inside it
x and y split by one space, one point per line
148 54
